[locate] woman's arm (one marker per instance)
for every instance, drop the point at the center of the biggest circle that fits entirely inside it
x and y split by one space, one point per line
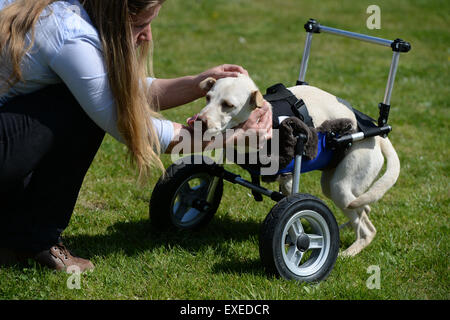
170 93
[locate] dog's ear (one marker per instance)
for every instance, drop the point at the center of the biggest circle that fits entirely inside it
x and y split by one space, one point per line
256 99
207 84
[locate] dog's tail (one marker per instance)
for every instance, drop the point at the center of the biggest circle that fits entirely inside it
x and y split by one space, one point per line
382 185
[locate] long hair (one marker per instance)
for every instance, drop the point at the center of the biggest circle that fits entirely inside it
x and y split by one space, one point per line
127 66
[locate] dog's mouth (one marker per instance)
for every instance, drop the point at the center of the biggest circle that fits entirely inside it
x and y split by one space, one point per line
195 123
190 121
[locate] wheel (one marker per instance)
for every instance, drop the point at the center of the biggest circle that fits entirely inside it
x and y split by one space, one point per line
299 239
179 197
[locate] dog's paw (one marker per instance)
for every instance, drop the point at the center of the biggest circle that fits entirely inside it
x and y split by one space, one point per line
355 248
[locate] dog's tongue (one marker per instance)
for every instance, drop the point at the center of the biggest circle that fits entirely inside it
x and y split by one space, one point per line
191 120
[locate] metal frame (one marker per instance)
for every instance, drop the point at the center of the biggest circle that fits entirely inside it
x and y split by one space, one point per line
312 26
397 45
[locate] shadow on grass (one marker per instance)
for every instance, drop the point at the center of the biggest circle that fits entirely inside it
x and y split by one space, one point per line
132 238
251 266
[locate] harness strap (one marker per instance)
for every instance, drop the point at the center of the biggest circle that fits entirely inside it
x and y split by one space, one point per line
364 122
302 112
279 92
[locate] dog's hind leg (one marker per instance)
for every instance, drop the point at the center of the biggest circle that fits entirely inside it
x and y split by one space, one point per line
352 177
325 179
364 229
326 190
348 223
358 220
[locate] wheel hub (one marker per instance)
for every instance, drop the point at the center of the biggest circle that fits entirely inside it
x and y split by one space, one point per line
201 204
303 242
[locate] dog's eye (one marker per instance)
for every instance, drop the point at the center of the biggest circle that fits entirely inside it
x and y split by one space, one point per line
227 105
208 98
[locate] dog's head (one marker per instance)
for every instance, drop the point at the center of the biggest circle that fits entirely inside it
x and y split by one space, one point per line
229 102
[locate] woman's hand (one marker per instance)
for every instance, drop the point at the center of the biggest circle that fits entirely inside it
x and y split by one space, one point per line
169 93
259 124
223 71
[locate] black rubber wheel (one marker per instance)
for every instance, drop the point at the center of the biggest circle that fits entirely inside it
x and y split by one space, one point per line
299 239
179 197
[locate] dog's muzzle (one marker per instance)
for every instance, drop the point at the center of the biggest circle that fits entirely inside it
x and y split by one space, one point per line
195 122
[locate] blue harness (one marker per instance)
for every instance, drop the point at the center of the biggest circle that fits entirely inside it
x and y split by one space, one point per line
322 160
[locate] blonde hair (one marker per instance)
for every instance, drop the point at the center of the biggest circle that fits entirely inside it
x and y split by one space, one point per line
127 66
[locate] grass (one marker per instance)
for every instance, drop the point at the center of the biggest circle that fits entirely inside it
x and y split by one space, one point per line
133 261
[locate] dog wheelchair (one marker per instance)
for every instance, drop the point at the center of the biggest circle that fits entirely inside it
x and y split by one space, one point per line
299 238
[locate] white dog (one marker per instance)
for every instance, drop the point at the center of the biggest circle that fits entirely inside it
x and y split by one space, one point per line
351 184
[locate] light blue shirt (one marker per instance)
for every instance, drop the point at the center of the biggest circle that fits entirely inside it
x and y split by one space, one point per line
67 49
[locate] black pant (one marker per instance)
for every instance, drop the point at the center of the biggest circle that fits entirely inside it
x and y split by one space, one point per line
47 144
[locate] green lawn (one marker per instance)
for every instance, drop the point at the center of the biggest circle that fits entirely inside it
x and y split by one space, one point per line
133 261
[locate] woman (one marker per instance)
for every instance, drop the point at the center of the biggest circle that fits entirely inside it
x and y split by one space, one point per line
71 71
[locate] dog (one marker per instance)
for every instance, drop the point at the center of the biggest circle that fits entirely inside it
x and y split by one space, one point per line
352 184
